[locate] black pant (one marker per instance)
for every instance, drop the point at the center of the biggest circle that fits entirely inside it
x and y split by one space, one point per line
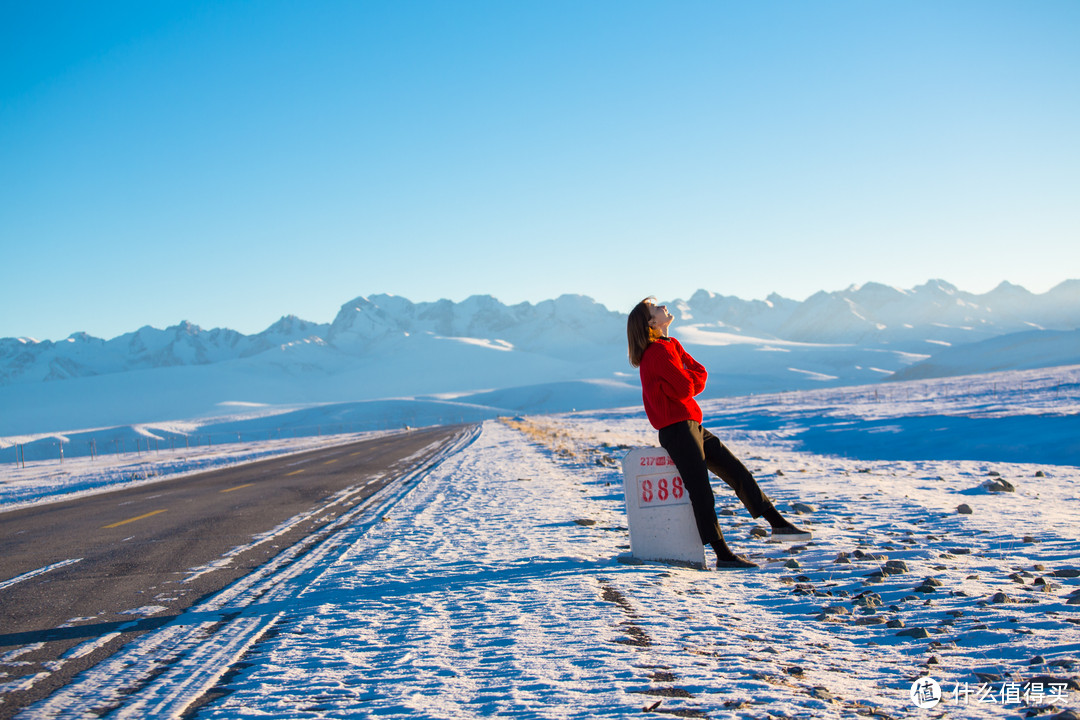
695 451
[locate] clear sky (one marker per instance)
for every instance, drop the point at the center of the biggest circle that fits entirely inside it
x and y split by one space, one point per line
228 163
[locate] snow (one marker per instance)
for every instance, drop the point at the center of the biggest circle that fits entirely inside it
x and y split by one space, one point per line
44 481
498 583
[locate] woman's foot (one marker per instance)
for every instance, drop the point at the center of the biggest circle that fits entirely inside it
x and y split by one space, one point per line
790 533
726 559
734 562
782 530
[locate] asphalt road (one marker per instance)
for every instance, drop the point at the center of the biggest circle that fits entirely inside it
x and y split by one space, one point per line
79 579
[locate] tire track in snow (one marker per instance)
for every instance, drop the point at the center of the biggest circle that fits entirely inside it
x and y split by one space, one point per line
40 571
163 673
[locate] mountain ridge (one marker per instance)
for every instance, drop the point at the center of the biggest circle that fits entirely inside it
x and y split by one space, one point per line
922 320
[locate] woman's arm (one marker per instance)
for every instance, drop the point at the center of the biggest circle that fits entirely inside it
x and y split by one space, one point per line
663 365
697 372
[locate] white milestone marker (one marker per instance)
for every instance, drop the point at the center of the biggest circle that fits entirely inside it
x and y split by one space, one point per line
658 509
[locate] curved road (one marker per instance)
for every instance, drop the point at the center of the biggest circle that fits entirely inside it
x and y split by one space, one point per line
78 579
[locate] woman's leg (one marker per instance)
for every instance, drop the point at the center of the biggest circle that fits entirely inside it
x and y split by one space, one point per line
729 469
683 442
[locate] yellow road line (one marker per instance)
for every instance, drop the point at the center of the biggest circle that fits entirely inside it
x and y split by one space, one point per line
329 462
238 487
131 520
294 472
358 452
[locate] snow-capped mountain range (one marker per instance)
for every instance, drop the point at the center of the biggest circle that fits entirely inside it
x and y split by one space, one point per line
922 320
555 355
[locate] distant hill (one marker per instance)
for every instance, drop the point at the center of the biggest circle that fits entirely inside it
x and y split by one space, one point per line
1015 351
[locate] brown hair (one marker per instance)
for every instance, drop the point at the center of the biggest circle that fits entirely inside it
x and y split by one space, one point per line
639 334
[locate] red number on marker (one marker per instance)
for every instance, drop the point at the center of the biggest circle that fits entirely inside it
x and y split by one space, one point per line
677 487
663 492
646 491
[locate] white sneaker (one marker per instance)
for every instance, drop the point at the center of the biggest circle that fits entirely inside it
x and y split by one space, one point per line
792 534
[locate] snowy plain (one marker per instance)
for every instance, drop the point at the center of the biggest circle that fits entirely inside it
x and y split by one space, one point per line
500 584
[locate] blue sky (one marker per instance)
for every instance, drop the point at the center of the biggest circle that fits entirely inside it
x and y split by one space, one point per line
228 163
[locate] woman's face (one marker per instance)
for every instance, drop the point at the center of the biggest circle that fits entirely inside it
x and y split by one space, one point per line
659 317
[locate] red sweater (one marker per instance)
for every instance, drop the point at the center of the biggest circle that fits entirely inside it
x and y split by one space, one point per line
670 379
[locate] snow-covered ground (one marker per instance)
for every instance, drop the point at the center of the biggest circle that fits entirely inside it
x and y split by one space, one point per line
497 584
42 481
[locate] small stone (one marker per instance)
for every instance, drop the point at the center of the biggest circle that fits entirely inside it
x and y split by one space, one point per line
779 473
802 508
933 660
871 620
993 473
867 600
896 567
1040 473
964 509
759 532
929 585
1001 598
918 633
1066 573
795 670
989 678
585 522
999 485
1037 660
895 623
792 563
842 559
1017 578
726 512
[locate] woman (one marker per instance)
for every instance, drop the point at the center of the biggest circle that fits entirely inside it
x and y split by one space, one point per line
670 379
